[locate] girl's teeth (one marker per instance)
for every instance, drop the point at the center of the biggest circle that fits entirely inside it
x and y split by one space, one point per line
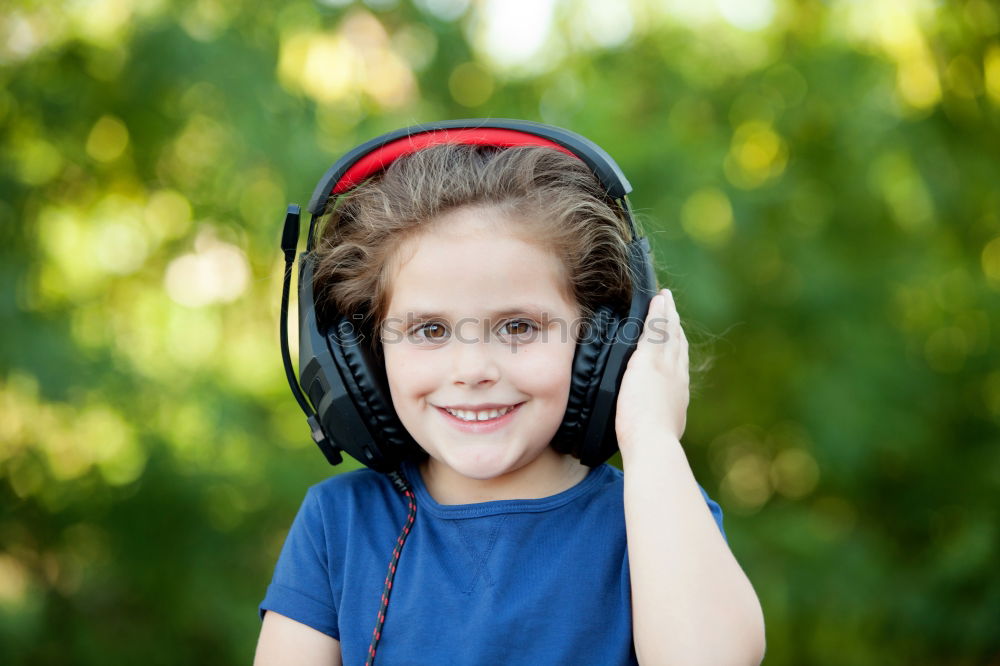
485 415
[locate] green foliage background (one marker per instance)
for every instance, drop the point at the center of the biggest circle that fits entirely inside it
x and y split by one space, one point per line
820 181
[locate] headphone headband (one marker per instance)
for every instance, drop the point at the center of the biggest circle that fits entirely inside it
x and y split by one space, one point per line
375 155
379 159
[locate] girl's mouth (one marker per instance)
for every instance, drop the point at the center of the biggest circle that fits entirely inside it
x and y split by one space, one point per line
486 420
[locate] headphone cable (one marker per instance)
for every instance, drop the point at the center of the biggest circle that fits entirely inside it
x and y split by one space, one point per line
289 241
402 486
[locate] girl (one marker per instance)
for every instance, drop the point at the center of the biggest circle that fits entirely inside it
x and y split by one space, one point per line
480 267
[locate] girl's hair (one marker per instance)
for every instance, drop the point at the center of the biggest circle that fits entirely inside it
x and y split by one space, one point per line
553 198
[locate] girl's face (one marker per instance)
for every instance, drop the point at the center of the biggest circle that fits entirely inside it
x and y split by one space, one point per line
479 342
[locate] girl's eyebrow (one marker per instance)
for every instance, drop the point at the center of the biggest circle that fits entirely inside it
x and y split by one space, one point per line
536 311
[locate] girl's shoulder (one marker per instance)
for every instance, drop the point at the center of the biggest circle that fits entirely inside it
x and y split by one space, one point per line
353 480
352 490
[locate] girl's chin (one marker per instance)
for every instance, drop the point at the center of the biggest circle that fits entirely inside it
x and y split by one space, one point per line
479 470
475 468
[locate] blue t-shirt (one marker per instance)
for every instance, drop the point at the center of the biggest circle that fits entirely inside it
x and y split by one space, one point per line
537 581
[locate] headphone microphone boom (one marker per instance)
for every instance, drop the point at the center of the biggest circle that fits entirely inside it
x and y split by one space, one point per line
342 387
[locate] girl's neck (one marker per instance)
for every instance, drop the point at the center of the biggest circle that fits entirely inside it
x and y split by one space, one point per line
548 475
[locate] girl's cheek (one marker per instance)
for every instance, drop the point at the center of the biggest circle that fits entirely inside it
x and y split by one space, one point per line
544 367
398 368
417 370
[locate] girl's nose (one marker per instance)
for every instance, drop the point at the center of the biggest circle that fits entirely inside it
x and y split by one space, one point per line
473 363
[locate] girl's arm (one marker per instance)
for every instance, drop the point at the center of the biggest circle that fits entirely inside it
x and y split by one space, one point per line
283 641
691 601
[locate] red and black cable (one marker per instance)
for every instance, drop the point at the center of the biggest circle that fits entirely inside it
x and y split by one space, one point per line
401 484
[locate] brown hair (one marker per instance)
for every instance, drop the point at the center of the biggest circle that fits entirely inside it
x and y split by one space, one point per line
555 199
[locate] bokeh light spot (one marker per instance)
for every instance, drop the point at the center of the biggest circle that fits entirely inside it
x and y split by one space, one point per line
13 580
217 272
167 214
917 82
66 242
38 161
324 66
100 21
599 24
334 66
110 443
747 14
204 20
513 33
108 139
21 36
747 483
794 473
446 10
991 73
121 246
757 154
903 190
470 84
417 44
707 217
990 260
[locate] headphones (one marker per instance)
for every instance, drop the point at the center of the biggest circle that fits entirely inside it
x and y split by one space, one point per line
349 406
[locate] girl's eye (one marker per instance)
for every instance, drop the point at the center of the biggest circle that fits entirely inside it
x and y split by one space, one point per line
519 328
431 332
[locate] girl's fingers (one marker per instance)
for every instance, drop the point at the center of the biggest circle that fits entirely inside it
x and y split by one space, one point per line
678 350
661 332
654 330
669 322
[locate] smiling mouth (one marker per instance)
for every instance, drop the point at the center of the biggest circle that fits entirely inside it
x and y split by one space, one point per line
471 416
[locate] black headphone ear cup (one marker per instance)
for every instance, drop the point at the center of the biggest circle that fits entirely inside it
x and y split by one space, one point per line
591 356
365 380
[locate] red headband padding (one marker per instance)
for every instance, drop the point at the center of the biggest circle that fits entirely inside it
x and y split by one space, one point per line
379 159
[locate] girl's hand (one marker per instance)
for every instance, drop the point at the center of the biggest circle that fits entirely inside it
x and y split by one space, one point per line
654 395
